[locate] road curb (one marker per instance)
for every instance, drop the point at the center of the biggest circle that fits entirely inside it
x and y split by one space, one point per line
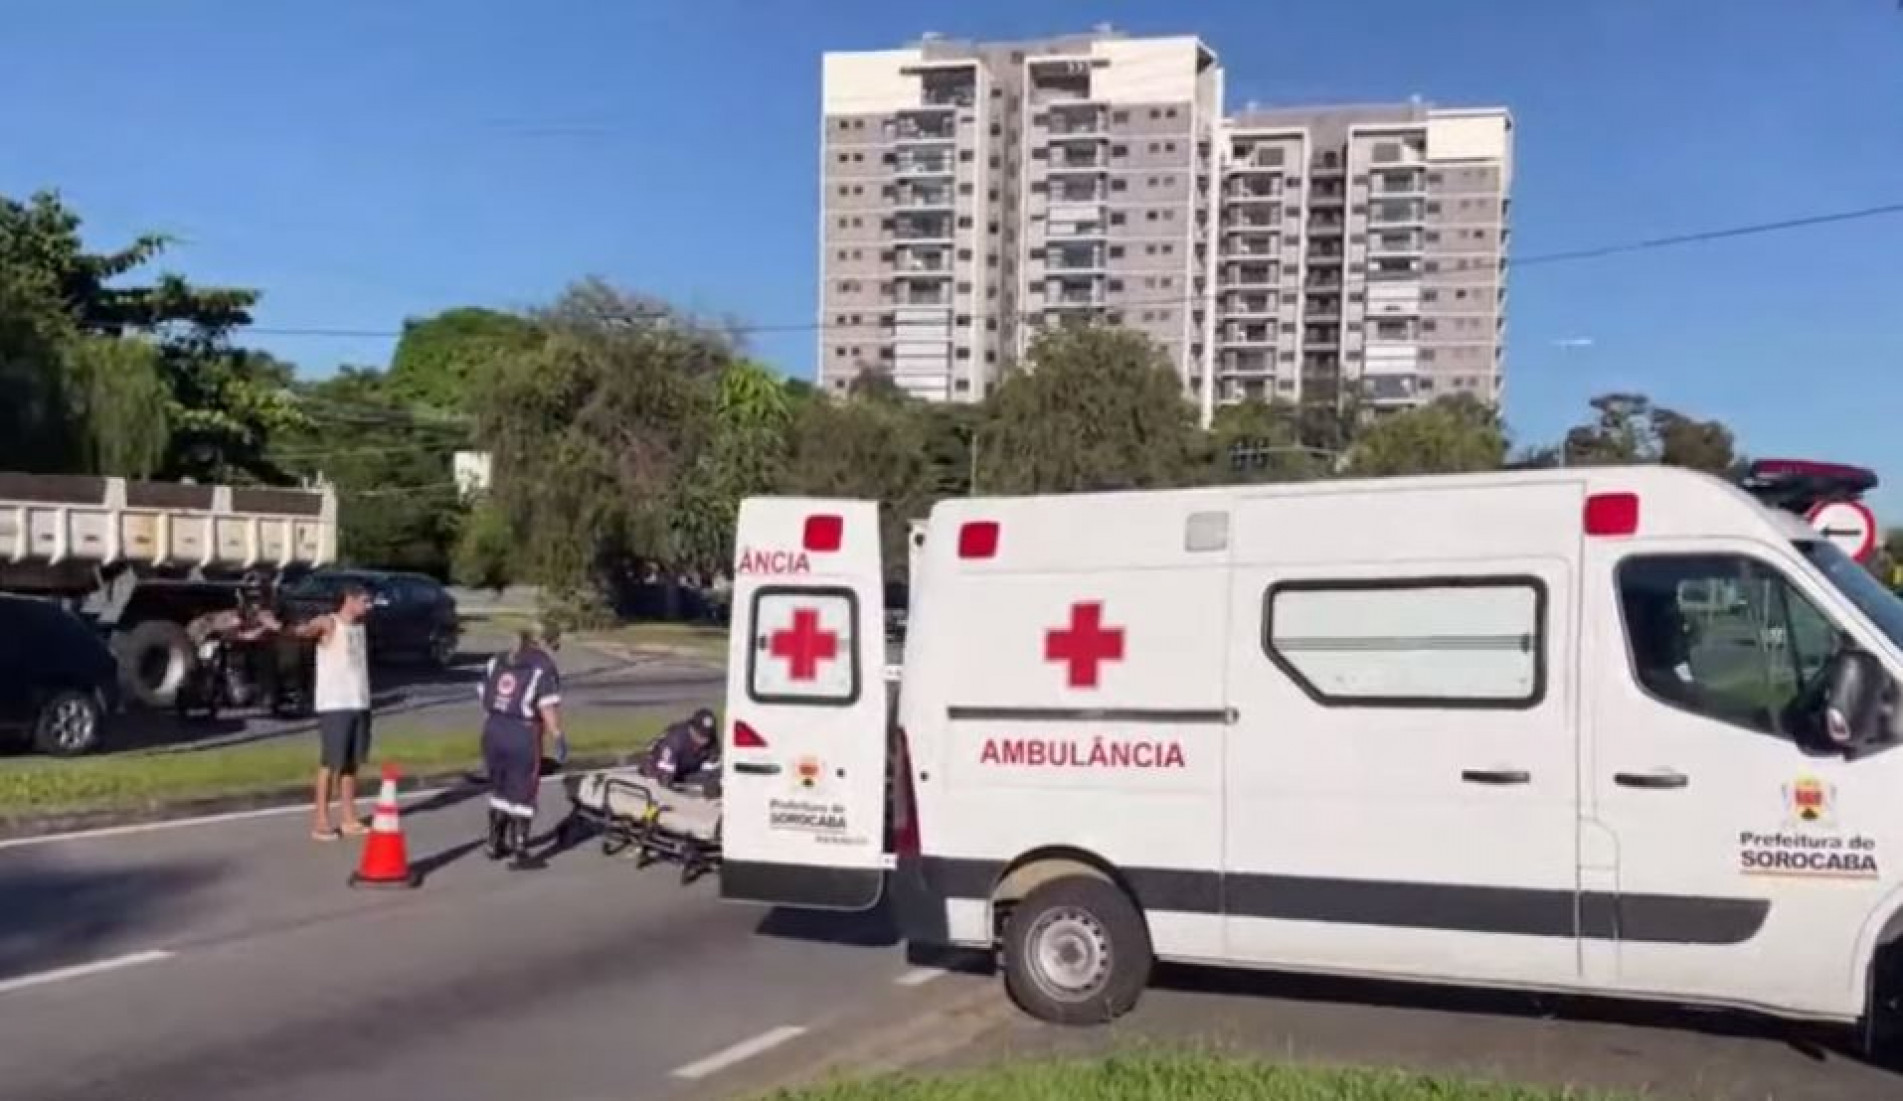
17 827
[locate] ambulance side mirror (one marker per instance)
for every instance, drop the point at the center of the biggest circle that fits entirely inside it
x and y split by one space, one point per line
1857 693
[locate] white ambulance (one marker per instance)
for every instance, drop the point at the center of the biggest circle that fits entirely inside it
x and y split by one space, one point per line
1621 731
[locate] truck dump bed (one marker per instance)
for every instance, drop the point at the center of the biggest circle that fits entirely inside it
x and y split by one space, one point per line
63 521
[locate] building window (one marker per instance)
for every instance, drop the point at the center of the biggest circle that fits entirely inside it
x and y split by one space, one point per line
1119 184
1119 150
964 254
1116 284
1444 642
964 221
1433 208
964 353
1116 217
964 288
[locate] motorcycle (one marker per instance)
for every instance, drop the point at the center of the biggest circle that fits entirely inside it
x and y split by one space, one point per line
218 679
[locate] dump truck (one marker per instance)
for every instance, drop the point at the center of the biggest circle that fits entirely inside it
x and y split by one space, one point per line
140 559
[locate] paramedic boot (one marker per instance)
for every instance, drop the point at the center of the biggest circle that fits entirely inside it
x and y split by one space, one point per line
497 845
519 843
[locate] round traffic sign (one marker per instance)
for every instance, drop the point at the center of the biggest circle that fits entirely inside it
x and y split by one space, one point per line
1848 524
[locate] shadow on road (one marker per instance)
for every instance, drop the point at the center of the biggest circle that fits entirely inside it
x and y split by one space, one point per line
873 929
426 866
1819 1043
55 916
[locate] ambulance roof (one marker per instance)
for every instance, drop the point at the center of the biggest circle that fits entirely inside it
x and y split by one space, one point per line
1534 512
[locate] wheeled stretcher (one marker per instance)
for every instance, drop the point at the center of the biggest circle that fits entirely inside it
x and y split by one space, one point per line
631 811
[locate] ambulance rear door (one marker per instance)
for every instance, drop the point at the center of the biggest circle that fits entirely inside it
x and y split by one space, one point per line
806 739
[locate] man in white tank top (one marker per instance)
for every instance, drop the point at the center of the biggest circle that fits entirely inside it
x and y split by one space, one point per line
342 701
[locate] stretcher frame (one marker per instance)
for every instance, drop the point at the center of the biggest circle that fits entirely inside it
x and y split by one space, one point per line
650 841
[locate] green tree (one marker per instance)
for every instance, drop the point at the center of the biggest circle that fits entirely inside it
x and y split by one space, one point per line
1628 428
867 449
220 404
1696 444
744 453
120 403
1450 436
591 432
1098 408
439 359
1258 441
399 507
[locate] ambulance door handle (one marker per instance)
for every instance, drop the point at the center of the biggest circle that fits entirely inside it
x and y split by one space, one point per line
753 768
1495 776
1655 780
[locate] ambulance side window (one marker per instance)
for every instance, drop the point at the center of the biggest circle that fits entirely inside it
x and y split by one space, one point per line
805 646
1722 636
1454 642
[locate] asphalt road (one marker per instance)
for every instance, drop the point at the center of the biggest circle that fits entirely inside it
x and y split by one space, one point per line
230 960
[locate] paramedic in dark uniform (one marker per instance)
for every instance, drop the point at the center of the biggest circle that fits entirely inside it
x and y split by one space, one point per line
684 752
521 698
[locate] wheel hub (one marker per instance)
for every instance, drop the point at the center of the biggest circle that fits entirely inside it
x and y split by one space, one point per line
72 724
1070 955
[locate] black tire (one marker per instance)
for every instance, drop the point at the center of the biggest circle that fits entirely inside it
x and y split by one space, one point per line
439 653
69 725
1089 927
155 658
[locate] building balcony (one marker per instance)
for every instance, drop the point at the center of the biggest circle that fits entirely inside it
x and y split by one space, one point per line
925 127
1082 260
924 296
1079 161
1240 306
1251 246
940 198
912 167
1253 190
1093 230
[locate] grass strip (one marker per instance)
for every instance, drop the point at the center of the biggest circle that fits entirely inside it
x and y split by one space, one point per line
1179 1077
38 786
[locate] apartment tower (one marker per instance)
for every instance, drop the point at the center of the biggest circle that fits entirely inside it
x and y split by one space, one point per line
974 192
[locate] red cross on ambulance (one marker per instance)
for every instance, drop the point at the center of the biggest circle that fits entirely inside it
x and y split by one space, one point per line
1084 644
802 646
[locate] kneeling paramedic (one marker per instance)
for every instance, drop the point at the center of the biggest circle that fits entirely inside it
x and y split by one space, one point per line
687 753
521 698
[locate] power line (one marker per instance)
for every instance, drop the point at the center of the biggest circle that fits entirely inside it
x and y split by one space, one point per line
1537 260
1712 235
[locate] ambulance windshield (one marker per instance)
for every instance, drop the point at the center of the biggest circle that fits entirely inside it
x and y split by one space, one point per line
1855 582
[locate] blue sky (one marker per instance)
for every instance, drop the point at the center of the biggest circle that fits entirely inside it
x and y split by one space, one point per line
362 161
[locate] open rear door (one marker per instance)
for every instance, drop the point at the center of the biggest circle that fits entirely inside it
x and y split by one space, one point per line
805 752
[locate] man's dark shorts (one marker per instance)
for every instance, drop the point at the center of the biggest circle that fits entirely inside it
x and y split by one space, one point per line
346 739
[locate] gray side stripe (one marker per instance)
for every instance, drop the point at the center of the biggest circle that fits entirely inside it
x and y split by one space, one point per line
1522 911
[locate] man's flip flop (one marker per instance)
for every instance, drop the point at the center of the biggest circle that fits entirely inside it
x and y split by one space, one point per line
355 829
324 835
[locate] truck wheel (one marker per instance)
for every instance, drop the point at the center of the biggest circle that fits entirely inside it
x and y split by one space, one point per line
1076 952
68 725
155 657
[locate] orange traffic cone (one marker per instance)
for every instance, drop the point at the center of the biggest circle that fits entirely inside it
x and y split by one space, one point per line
386 861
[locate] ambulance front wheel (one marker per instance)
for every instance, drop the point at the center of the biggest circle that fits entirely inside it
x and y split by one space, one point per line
1076 952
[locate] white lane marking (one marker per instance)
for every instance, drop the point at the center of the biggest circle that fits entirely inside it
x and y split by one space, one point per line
740 1052
61 974
919 976
217 819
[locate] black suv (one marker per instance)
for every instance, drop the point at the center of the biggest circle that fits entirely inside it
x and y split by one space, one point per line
413 619
59 683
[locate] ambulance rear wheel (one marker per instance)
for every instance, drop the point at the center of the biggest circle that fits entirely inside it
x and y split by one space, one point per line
1076 952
